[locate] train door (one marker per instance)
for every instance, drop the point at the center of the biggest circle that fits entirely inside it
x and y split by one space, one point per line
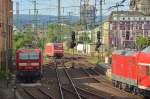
144 76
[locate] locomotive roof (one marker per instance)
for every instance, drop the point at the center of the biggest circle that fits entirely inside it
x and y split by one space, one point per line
29 50
129 53
121 52
125 52
146 49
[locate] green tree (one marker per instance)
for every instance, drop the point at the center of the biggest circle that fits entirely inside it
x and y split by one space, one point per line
142 42
20 39
41 43
57 32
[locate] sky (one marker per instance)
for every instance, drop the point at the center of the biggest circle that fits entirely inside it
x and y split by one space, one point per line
49 7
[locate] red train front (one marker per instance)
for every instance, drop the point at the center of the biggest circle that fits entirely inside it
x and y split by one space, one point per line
28 64
54 50
131 70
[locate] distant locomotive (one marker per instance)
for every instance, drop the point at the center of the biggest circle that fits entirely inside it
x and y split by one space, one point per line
54 50
131 70
28 65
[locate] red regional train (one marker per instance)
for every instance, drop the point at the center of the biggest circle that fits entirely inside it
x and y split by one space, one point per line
131 71
54 50
28 65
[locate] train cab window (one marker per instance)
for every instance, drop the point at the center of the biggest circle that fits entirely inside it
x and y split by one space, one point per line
147 71
34 56
23 56
58 46
31 56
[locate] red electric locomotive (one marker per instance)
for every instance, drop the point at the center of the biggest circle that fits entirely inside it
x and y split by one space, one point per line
54 50
131 70
28 64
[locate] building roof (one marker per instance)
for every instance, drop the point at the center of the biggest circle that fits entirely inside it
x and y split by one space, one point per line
125 14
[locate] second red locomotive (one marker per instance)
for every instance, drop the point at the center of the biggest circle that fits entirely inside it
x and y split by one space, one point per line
131 70
54 50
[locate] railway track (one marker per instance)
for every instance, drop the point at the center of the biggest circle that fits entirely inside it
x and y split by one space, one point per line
68 88
64 80
37 93
61 82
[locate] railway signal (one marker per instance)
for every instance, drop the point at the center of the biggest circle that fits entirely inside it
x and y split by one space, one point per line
73 36
98 44
73 40
72 45
99 35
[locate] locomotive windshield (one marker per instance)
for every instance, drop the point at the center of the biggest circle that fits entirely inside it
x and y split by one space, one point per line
29 56
58 46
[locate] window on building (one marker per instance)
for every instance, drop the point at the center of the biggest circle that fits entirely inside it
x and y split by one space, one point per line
115 18
140 26
123 34
128 27
147 71
127 35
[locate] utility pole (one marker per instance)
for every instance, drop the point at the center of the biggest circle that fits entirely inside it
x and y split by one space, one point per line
59 25
84 15
101 30
35 15
17 14
30 18
95 12
49 20
6 38
116 41
70 19
118 24
59 11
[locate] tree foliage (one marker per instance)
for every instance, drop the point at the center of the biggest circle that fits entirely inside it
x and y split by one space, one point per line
20 39
41 43
142 42
57 32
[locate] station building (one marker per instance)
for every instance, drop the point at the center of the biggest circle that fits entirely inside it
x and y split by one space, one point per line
120 29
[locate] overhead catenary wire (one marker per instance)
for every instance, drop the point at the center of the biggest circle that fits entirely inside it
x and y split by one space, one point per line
73 7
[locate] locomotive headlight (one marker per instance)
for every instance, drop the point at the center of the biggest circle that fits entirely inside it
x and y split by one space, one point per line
22 64
34 64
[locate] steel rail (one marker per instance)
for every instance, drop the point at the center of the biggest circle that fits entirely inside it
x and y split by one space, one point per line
83 97
60 86
30 94
48 95
88 92
36 97
72 83
68 76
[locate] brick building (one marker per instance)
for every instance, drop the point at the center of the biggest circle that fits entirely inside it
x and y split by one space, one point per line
126 26
6 27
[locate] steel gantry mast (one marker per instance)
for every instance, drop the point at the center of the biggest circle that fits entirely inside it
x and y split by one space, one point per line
17 14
